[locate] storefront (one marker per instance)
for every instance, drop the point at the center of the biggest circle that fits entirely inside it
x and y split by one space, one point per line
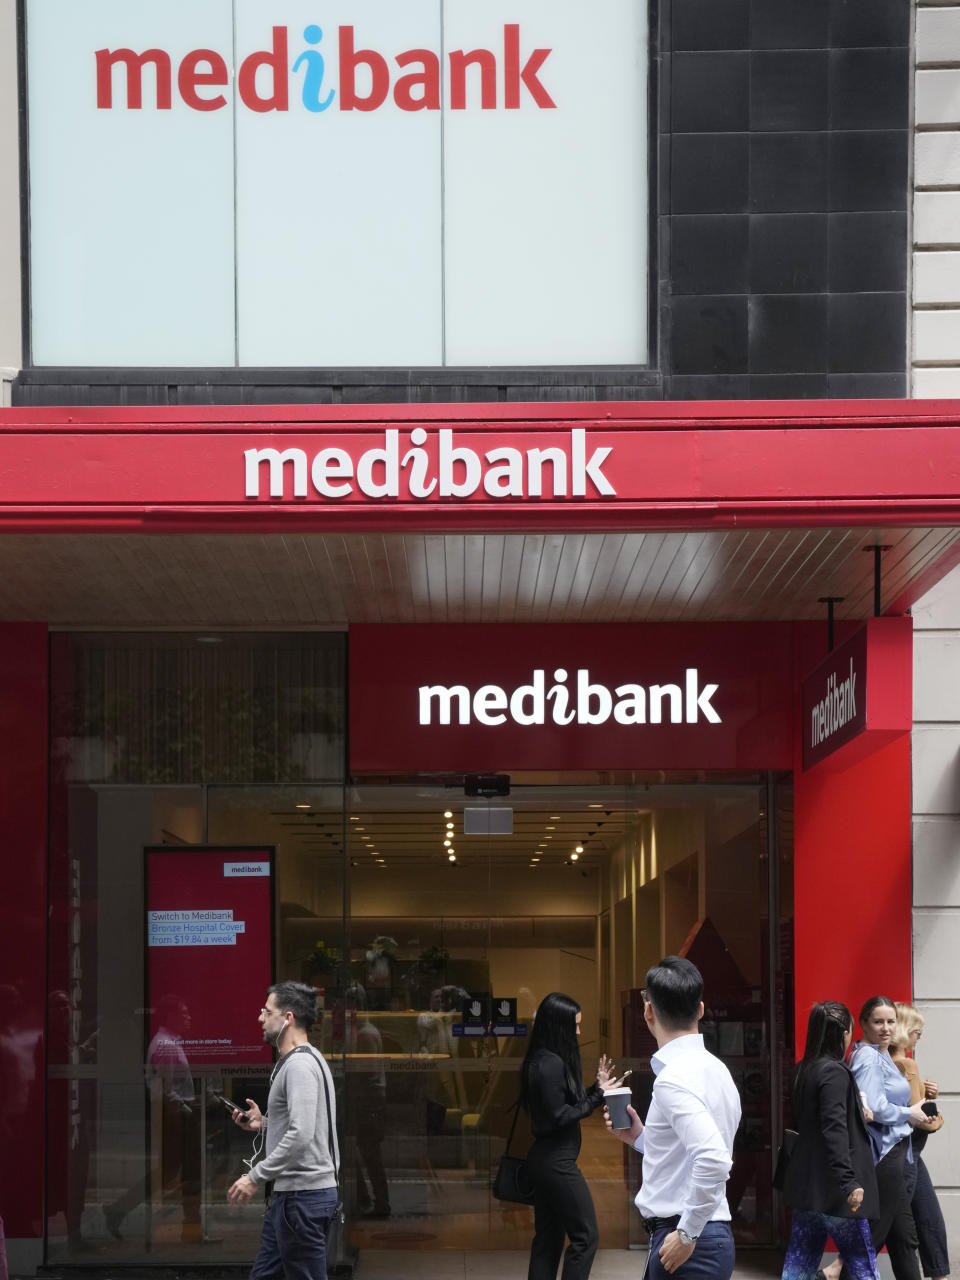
321 795
454 614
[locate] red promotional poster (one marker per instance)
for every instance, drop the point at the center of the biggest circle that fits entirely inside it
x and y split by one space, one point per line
209 954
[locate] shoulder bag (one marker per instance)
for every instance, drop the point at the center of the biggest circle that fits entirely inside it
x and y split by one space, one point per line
512 1181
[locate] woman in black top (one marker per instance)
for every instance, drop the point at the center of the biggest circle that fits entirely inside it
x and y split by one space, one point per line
831 1183
551 1090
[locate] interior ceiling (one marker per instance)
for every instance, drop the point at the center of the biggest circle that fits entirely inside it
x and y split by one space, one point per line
389 837
332 580
404 827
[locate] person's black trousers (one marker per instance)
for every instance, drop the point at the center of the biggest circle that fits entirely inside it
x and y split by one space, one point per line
931 1230
563 1208
895 1228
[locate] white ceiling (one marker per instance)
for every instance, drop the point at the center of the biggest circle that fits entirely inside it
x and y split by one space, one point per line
332 580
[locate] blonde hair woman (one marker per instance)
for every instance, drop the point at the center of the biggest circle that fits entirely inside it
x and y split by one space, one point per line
931 1231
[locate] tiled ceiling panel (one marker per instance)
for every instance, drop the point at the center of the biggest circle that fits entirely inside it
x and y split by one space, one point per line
331 580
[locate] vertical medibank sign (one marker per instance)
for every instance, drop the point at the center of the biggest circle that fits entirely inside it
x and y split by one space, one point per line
859 697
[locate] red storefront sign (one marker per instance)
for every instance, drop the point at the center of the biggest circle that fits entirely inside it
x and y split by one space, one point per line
209 919
481 467
666 696
859 698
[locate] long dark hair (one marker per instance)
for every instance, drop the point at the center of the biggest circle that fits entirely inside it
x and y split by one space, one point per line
554 1029
827 1028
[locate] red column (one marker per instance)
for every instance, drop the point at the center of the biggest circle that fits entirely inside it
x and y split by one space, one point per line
852 875
23 914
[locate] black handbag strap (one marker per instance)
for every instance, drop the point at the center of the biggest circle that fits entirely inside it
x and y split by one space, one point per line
513 1125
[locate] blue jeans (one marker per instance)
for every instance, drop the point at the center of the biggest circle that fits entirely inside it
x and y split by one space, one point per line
293 1243
712 1259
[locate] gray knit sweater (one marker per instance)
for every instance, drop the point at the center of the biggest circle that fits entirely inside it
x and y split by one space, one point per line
298 1153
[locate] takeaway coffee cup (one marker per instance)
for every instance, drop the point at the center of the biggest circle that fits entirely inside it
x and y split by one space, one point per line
616 1102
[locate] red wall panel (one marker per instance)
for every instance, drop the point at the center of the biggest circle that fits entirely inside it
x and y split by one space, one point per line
23 929
852 881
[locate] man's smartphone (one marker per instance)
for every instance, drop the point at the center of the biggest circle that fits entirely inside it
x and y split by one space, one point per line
231 1106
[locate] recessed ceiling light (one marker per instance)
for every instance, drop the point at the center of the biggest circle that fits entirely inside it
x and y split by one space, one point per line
574 857
449 826
209 639
447 844
451 856
554 817
303 806
579 849
448 813
353 819
551 828
594 806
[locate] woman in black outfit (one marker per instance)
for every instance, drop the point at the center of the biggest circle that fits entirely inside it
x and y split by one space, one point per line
551 1090
831 1183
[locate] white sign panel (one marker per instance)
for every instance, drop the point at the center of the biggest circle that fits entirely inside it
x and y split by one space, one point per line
338 182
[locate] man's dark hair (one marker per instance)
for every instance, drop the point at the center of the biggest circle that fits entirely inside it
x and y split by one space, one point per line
301 1000
675 988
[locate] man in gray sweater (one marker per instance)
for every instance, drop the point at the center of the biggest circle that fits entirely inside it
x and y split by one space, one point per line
301 1157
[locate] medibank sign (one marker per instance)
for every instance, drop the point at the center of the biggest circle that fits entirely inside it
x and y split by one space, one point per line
858 698
666 696
352 78
338 183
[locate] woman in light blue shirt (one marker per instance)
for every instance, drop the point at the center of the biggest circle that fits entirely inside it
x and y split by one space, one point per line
887 1095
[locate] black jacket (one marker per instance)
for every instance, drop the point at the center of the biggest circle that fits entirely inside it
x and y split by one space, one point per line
554 1105
832 1154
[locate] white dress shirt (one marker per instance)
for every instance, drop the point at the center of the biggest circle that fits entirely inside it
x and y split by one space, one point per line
687 1140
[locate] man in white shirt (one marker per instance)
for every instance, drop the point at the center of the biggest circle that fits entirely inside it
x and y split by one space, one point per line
687 1141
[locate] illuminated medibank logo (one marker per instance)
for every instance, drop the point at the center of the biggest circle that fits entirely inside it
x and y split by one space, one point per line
332 71
586 702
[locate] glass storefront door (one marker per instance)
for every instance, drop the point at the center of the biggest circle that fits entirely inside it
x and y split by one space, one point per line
591 885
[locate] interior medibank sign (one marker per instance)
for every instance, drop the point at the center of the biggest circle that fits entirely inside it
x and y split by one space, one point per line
621 696
860 697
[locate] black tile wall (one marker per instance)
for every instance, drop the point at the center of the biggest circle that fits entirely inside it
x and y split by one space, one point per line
790 24
710 253
864 386
709 173
868 170
868 88
709 334
789 172
788 91
867 252
863 23
784 224
711 24
709 91
788 253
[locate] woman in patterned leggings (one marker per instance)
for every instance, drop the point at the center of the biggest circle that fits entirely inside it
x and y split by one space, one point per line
830 1184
